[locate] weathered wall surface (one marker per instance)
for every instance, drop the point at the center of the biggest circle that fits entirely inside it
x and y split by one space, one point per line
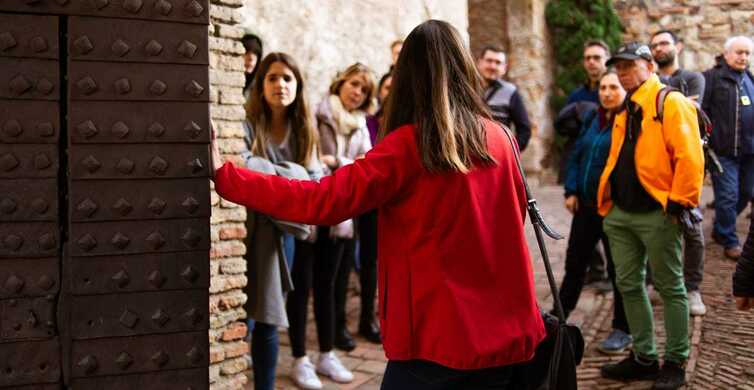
227 328
703 24
519 27
325 36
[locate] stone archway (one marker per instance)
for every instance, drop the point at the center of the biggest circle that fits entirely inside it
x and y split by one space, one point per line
520 28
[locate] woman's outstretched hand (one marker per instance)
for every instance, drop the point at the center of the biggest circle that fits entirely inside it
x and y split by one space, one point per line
217 158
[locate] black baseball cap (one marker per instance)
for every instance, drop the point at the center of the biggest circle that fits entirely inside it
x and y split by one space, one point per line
631 51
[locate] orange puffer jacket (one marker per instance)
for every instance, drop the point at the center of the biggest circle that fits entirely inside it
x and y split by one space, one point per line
669 158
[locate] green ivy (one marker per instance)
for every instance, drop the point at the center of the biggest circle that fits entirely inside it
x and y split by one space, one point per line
571 23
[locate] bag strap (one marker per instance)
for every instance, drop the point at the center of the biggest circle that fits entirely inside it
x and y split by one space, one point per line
539 226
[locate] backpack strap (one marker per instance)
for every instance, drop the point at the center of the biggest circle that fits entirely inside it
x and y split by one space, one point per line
660 101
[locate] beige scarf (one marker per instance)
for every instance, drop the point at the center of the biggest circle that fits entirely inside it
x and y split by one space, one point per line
346 122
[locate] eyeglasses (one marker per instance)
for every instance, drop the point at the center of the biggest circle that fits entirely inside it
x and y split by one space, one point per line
658 44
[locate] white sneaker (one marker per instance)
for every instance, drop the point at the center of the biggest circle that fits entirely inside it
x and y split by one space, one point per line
696 306
303 374
330 365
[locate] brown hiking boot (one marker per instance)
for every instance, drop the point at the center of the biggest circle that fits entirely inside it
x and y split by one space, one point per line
732 253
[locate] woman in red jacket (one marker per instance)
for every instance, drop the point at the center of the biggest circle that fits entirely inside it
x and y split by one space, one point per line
457 303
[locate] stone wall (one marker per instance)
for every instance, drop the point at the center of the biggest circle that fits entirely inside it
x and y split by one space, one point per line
325 36
488 25
702 24
519 27
227 327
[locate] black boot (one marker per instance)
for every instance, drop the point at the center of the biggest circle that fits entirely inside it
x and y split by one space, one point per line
370 331
672 376
343 339
631 368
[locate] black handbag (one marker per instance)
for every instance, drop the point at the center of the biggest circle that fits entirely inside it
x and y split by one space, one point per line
556 357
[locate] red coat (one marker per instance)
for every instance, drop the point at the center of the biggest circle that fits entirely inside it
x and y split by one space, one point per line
455 277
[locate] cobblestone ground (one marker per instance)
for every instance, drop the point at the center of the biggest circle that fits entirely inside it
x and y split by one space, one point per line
722 342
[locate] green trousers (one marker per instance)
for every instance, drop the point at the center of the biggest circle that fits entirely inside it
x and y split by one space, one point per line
634 238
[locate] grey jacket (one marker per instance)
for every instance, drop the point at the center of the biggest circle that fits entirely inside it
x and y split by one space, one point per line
268 273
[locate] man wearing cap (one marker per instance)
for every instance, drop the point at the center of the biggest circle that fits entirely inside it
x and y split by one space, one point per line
653 174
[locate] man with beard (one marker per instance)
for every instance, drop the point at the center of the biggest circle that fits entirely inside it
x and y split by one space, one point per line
665 49
502 97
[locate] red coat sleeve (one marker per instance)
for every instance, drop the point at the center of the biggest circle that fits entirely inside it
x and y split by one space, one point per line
352 190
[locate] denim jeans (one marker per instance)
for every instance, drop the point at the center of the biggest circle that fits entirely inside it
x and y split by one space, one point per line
264 355
264 337
733 191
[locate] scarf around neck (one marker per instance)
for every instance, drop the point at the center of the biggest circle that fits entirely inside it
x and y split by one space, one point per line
346 122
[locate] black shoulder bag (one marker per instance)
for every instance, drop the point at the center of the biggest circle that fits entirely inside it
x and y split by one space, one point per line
556 357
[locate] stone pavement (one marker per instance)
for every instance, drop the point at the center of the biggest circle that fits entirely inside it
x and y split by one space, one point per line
722 342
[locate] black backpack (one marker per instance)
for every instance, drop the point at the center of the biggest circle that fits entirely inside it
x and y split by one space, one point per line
711 162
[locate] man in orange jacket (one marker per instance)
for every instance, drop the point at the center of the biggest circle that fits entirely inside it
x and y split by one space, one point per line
653 175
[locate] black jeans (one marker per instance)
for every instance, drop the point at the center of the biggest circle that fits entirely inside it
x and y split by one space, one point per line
368 265
264 352
347 253
315 267
586 232
367 228
425 375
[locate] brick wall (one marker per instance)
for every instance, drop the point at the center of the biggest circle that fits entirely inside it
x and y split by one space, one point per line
228 267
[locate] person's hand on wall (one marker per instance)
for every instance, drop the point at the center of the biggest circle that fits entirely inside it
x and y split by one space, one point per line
217 158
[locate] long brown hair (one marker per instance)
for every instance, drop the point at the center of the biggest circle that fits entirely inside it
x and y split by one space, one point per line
259 114
436 86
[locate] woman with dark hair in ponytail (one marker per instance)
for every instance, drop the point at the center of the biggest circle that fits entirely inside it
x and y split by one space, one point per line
457 301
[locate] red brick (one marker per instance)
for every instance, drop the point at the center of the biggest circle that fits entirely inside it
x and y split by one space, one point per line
216 354
231 301
236 331
227 249
237 348
232 233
